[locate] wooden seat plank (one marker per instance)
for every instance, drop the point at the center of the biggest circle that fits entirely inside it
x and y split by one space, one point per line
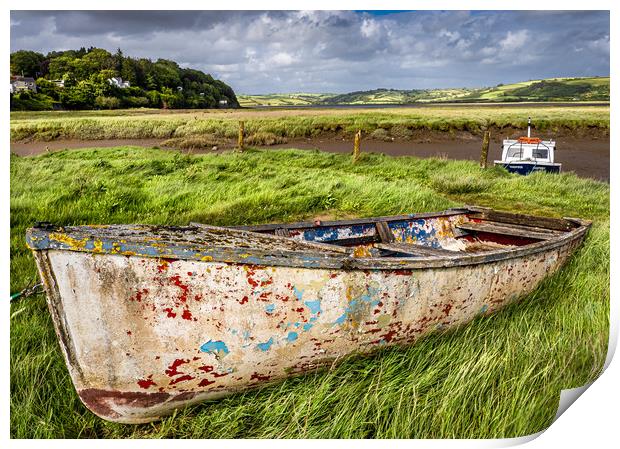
558 224
511 230
417 250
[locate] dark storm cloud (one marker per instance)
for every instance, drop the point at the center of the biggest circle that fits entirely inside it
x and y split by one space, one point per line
124 23
338 51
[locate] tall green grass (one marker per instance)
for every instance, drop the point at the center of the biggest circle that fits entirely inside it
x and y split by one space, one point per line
499 376
307 123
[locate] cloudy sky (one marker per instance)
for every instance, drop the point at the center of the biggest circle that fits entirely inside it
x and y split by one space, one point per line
338 51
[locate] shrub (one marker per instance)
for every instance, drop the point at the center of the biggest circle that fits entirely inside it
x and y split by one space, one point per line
107 102
264 138
380 134
401 132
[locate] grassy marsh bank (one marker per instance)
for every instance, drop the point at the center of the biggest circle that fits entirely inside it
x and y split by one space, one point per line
264 126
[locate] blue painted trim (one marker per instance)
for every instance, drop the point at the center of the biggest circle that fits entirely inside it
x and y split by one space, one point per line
525 168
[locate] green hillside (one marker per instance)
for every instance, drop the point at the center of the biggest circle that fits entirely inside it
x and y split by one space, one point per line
552 89
83 79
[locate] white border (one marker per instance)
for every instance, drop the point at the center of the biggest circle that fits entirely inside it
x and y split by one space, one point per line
591 421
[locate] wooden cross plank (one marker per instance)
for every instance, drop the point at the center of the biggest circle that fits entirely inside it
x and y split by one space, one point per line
385 233
512 230
283 232
417 250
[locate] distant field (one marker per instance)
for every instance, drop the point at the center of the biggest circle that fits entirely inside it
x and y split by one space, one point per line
552 89
266 125
499 376
294 99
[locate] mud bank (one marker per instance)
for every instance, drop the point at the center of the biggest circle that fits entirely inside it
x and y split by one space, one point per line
587 154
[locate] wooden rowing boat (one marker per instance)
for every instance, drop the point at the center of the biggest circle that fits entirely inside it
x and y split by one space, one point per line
152 318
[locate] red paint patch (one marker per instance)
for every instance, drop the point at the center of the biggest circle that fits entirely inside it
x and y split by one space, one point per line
206 368
205 382
103 402
187 315
300 309
446 309
256 376
139 294
173 369
220 374
264 296
402 272
146 383
389 336
128 332
170 314
253 282
243 300
267 282
176 280
181 379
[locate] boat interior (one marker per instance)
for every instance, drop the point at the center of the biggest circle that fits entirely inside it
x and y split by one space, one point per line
453 232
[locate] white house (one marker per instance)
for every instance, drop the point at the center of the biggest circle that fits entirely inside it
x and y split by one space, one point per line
22 83
118 82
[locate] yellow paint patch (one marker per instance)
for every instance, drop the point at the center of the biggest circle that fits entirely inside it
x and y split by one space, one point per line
97 246
73 243
361 251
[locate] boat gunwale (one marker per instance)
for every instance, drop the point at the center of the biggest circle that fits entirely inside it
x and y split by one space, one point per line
352 221
38 239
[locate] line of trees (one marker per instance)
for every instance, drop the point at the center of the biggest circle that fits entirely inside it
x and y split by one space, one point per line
85 72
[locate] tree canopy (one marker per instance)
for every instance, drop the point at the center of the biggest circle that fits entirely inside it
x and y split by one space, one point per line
85 74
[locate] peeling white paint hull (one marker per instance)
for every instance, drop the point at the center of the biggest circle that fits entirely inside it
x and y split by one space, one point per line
153 318
143 336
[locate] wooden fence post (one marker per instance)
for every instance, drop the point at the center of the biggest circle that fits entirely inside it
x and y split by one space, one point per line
356 145
240 140
485 149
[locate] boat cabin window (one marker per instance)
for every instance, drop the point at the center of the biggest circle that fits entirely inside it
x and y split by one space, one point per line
540 153
515 151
